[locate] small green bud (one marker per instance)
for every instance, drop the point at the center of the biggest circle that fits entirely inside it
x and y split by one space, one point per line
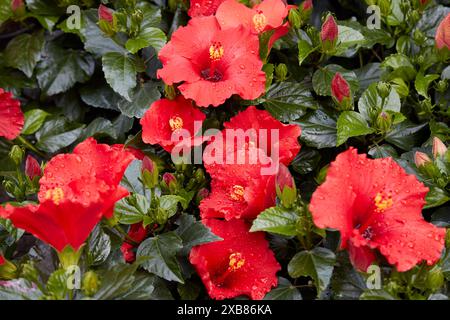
383 121
383 89
385 7
90 283
150 173
281 72
442 86
16 154
294 18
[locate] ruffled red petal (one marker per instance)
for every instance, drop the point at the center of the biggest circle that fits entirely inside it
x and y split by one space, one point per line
256 272
11 116
203 7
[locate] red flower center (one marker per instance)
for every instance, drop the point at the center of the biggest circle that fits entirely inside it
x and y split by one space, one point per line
216 52
175 123
56 195
259 21
237 193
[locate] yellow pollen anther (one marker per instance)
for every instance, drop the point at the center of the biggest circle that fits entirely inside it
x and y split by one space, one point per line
175 123
237 193
260 22
236 261
216 51
56 195
383 202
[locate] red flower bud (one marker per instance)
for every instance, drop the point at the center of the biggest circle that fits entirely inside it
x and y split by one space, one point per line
421 159
202 194
443 33
284 178
329 30
439 148
2 260
148 164
285 186
340 89
32 168
17 4
306 5
105 13
168 178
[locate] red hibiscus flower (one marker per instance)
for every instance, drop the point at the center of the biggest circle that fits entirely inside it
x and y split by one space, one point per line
166 117
285 144
213 64
137 233
91 171
376 205
203 7
267 15
58 223
11 116
240 264
239 189
443 33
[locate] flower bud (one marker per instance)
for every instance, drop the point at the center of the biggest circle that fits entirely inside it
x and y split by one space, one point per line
439 148
442 86
294 18
32 168
341 92
106 21
8 270
281 72
443 34
170 182
285 187
385 7
18 7
90 283
16 154
329 34
383 121
383 89
201 194
306 6
413 16
423 4
150 172
435 278
421 159
419 37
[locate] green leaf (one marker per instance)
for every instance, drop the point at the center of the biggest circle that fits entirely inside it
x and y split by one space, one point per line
57 284
142 98
284 291
431 18
149 36
100 96
131 178
323 76
383 151
193 233
368 74
147 287
56 134
98 247
24 51
445 264
405 135
60 69
319 129
161 251
436 197
132 209
401 67
317 263
117 280
304 50
277 220
306 161
347 38
169 203
423 82
19 289
95 41
288 101
188 291
120 73
371 104
5 11
376 295
351 124
97 128
34 119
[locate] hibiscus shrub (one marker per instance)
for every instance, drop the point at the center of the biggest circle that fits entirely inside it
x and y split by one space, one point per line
119 181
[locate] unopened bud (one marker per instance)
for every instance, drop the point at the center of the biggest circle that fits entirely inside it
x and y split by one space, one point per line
383 121
442 86
421 159
329 34
32 168
341 92
201 194
150 173
439 148
90 283
16 154
285 187
170 182
294 18
281 72
383 89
